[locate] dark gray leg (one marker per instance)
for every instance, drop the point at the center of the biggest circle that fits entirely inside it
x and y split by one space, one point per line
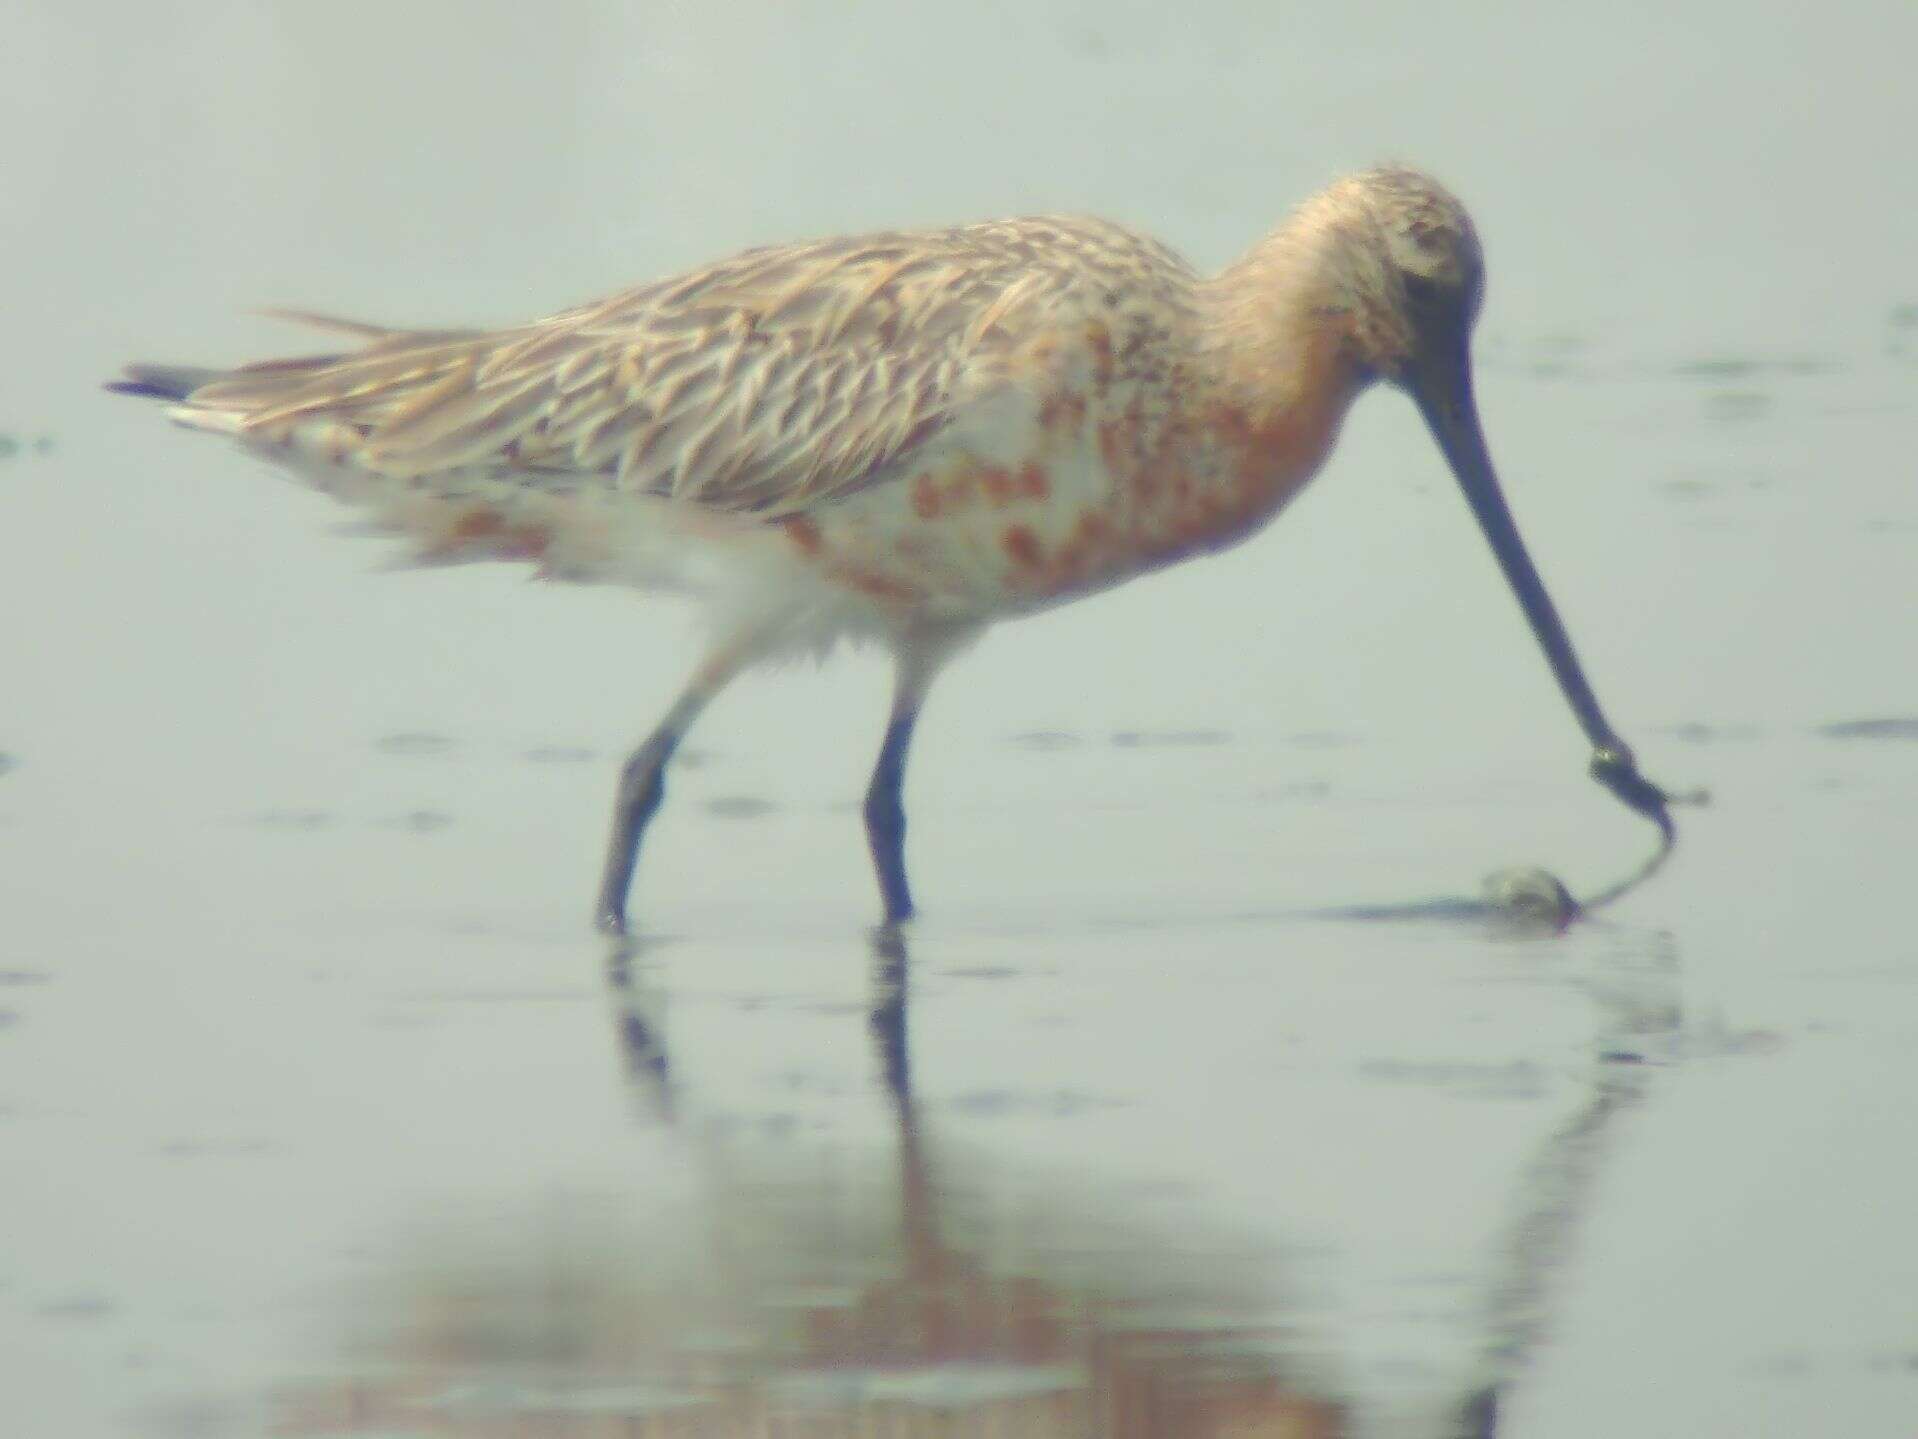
886 817
920 658
642 783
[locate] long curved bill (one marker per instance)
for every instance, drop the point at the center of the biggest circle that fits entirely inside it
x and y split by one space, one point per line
1441 383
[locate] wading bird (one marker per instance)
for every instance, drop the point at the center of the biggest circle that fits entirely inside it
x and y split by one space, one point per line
901 438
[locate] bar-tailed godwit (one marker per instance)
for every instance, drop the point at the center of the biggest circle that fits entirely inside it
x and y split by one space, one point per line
902 438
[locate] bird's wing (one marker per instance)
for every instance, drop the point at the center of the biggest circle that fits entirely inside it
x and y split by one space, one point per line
761 385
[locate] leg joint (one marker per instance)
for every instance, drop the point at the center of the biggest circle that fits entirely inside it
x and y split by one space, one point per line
645 766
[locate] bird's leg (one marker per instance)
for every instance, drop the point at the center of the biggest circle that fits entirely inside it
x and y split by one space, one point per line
886 816
919 661
642 783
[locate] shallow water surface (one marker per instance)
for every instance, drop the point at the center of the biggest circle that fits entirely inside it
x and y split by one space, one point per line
1181 1110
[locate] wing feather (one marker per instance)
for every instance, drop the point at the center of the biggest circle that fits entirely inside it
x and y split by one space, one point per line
764 384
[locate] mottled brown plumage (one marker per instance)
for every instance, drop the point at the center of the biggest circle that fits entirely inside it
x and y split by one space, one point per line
765 384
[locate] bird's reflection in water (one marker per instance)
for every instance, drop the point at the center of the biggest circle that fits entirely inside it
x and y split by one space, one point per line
782 1288
793 1292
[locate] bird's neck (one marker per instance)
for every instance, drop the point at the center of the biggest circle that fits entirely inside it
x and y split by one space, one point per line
1279 325
1281 367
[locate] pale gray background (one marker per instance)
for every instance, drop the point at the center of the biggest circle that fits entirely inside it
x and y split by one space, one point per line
239 936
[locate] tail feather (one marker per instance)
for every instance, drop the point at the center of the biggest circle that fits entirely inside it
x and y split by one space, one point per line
178 382
339 325
164 382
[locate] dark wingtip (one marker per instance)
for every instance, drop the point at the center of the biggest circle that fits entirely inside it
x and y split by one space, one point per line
144 389
161 382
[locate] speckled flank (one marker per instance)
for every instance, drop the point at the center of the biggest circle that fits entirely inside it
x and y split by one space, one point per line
1125 456
488 533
